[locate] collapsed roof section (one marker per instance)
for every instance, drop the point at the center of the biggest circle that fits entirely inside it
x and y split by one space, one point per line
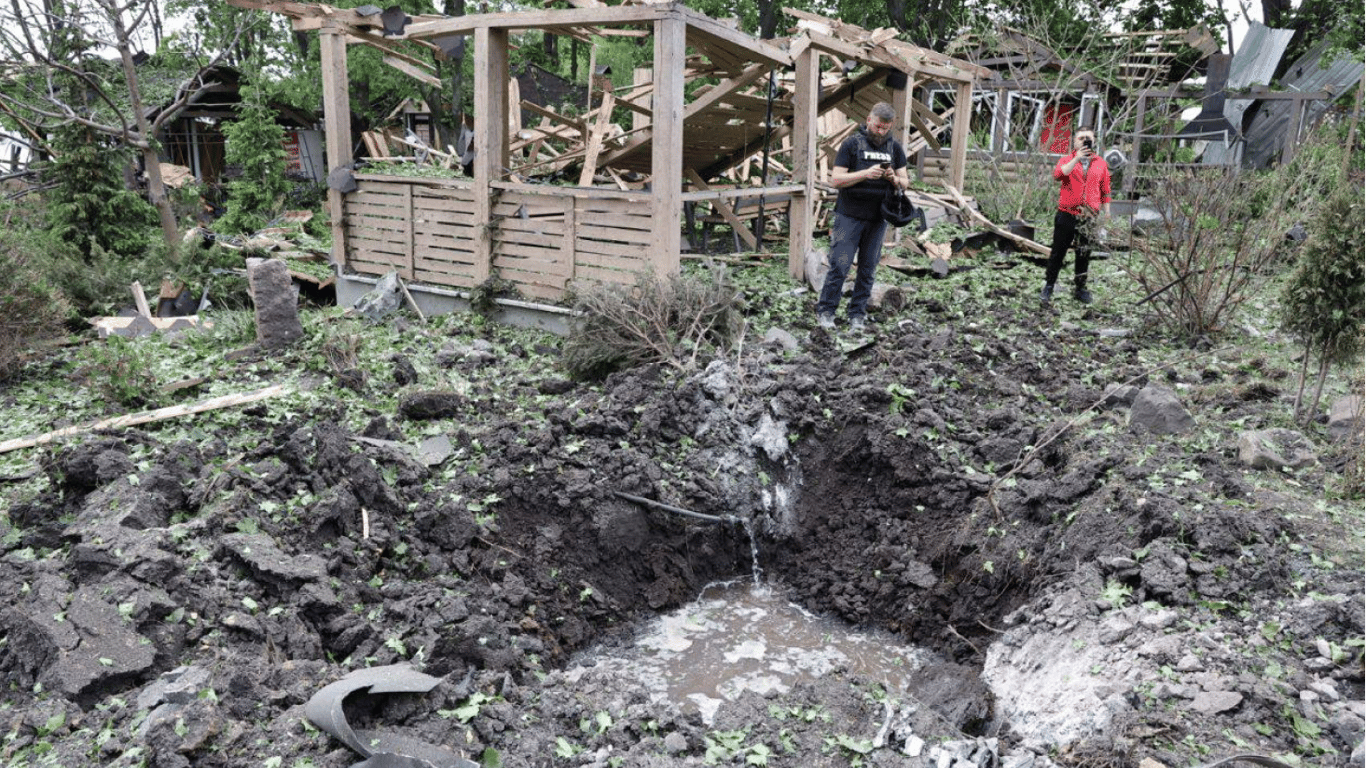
1128 61
715 97
744 105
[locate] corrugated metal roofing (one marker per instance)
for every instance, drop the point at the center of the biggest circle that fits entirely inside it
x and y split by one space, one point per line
1266 136
1253 64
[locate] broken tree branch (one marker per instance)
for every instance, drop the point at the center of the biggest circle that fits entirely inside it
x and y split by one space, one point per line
144 417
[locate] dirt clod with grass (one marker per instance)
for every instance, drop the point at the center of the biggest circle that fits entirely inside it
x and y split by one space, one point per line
967 476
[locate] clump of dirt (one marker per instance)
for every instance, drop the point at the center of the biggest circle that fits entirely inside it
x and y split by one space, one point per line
1097 595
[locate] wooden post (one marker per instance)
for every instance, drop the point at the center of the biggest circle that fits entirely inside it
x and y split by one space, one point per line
803 214
962 125
1131 175
640 76
337 121
901 105
490 138
666 156
1292 134
1001 116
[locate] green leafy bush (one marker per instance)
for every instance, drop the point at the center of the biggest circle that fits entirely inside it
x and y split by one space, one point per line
31 308
1209 254
1322 304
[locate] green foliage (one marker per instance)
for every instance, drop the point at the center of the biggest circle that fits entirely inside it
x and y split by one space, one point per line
483 296
1322 302
90 208
31 308
119 369
256 143
103 291
671 320
1116 593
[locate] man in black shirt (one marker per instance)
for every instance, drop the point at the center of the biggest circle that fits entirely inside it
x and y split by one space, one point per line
868 164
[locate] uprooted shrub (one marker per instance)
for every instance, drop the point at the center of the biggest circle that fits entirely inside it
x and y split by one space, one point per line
1210 252
31 309
672 320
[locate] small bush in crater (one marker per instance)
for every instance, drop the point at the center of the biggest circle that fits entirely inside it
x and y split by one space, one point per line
671 320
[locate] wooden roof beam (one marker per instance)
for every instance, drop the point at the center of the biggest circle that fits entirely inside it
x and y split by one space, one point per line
547 20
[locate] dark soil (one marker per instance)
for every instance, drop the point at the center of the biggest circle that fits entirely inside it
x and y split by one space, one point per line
888 489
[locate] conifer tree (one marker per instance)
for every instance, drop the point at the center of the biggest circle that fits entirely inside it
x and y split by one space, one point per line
90 203
1323 303
255 142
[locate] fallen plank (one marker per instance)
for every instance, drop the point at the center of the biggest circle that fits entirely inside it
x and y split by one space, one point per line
725 210
987 223
144 417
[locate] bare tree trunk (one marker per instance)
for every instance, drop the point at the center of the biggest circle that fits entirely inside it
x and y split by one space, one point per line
1299 393
146 142
768 18
1318 386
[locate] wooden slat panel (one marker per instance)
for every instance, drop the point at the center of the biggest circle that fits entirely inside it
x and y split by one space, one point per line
611 276
631 238
444 222
443 278
460 194
375 198
628 207
428 204
607 224
442 242
365 228
428 255
369 262
377 216
618 250
546 259
551 240
506 208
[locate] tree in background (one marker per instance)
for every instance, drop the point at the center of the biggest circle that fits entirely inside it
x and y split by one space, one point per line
90 205
255 142
1323 303
57 80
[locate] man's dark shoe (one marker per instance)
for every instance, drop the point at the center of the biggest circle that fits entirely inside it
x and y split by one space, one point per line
1082 295
1046 295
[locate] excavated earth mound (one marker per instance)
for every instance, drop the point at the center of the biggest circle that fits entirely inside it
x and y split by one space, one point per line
1093 594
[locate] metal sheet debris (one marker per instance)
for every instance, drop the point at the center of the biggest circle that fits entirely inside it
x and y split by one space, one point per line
382 750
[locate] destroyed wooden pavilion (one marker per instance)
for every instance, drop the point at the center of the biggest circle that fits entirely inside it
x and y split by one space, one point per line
755 96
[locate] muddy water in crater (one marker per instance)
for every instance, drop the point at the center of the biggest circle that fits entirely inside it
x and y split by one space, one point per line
741 637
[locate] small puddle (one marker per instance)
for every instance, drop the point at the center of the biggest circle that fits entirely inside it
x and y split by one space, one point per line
740 637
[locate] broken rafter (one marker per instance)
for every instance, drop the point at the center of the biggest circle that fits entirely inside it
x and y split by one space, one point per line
595 137
974 214
724 208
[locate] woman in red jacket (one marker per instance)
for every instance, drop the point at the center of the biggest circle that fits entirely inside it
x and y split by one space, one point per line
1085 195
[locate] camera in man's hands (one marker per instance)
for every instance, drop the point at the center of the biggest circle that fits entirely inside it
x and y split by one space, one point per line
1086 144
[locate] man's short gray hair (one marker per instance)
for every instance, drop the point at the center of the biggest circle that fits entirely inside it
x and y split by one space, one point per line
883 111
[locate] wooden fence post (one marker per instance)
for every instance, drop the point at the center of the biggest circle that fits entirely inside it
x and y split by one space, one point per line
804 119
337 117
666 157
